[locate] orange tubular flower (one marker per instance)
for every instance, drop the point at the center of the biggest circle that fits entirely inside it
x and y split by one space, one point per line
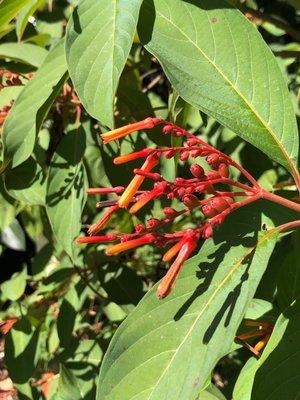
264 333
93 229
117 189
132 156
130 244
262 343
147 123
169 279
171 253
95 239
133 187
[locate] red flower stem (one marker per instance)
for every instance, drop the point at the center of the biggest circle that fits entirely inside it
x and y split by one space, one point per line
280 200
235 194
232 183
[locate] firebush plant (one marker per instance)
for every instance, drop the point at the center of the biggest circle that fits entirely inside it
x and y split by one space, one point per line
150 206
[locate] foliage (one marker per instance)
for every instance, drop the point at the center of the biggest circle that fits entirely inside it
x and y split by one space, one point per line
81 320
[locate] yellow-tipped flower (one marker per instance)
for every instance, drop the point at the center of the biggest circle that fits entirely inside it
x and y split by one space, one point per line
130 244
262 343
118 133
171 253
136 182
169 279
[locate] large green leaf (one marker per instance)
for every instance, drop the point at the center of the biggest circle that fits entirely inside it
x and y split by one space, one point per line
9 9
23 52
167 348
66 195
218 62
99 38
32 106
22 350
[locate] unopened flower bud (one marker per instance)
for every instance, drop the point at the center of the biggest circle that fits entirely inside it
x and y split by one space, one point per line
169 154
223 170
207 232
209 211
221 203
190 201
139 228
214 158
153 222
213 174
195 153
168 128
197 171
192 142
200 188
184 155
169 211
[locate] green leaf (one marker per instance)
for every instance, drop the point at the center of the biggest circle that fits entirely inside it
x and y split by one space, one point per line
280 361
32 106
22 351
23 52
27 11
9 93
14 288
66 189
211 393
9 9
13 236
8 208
67 315
99 38
276 374
68 385
217 61
167 348
288 288
27 183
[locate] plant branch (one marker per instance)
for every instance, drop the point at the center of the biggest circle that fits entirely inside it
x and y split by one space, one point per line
294 33
280 200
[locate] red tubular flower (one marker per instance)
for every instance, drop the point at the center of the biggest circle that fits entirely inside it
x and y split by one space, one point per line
132 188
118 133
103 220
130 244
151 175
215 203
95 239
169 279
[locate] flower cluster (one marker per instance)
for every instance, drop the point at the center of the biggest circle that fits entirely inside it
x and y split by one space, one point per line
200 190
69 101
263 331
7 79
